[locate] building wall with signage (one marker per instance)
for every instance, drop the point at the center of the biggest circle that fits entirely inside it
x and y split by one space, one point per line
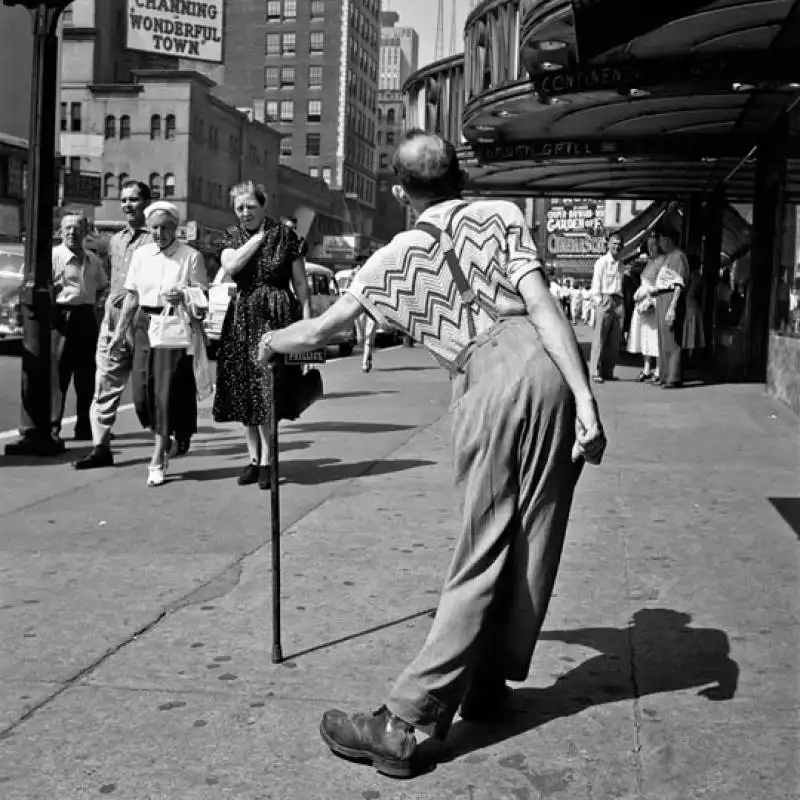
16 56
573 234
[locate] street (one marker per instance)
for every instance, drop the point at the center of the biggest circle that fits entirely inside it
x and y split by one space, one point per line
137 620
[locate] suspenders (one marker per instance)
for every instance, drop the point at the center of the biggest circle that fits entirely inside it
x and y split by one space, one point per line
468 296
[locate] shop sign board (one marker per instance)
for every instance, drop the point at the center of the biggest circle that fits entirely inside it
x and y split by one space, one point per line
181 28
574 228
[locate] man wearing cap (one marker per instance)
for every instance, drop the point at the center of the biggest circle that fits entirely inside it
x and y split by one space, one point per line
114 366
468 284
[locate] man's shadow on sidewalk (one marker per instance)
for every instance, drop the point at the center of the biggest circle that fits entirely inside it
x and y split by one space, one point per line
658 653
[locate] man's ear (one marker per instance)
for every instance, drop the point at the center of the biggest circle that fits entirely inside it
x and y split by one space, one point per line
401 195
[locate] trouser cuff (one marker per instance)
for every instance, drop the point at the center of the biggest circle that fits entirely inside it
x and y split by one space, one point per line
430 716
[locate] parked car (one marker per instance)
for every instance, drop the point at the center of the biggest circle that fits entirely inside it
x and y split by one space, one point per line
323 291
12 267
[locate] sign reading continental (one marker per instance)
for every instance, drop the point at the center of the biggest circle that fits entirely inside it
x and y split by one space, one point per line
181 28
575 228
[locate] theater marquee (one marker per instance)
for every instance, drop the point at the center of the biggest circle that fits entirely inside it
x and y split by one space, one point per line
181 28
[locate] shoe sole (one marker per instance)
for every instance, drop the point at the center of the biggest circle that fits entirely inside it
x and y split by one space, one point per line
393 769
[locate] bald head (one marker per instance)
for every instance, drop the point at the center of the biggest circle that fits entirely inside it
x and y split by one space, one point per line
427 166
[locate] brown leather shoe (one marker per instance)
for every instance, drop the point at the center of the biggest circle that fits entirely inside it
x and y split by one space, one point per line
380 738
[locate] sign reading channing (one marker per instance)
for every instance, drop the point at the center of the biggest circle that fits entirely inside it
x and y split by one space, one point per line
181 28
575 228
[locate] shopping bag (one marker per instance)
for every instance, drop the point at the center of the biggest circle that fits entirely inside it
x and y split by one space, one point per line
169 331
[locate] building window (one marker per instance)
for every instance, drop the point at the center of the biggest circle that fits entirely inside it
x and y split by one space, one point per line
287 111
317 42
390 116
123 179
64 125
286 146
287 77
271 111
313 172
379 140
313 144
75 117
273 44
124 127
389 137
155 126
111 127
272 78
289 41
317 9
109 184
326 175
315 110
384 162
169 126
289 9
169 185
273 10
75 164
155 185
618 213
315 77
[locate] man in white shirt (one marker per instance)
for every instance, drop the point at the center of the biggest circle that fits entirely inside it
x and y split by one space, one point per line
610 311
79 284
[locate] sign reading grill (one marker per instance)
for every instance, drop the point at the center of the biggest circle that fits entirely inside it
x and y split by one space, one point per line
185 28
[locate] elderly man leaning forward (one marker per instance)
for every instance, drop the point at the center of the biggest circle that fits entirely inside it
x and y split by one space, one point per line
524 421
79 284
114 366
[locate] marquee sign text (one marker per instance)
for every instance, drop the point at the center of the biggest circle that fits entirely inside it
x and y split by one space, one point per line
182 28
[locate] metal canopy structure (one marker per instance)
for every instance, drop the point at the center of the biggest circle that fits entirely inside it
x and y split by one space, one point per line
619 99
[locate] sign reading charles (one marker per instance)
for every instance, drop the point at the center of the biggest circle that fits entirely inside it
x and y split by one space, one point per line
181 28
575 228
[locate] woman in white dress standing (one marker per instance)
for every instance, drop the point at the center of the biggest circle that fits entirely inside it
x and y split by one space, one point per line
643 336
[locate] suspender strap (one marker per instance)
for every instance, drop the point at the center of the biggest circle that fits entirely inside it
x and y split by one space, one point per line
468 296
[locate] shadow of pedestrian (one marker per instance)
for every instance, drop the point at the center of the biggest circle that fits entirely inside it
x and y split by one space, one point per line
328 470
406 369
349 395
659 652
789 509
348 427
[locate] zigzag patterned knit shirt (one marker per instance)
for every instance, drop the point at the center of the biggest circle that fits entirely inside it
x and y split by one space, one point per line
408 285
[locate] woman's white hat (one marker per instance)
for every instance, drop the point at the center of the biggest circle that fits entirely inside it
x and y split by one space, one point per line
164 207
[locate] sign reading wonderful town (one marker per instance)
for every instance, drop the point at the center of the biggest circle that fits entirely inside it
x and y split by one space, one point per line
182 28
575 228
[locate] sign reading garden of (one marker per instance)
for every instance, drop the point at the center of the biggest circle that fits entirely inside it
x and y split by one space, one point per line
182 28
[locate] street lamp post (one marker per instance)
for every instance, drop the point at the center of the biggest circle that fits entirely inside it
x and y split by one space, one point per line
37 302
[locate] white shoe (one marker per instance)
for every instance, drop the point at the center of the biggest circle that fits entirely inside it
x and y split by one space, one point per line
155 475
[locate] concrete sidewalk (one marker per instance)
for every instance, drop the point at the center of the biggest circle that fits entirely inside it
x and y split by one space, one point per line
668 668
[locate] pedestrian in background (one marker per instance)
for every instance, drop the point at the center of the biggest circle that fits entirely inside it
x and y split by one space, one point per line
80 283
671 307
264 259
643 337
520 395
114 365
609 310
161 277
693 335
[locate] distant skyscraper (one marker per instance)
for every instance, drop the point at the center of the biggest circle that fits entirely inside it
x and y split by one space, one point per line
399 57
399 52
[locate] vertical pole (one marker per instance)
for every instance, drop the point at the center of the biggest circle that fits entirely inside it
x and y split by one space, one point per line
712 247
767 248
275 520
37 305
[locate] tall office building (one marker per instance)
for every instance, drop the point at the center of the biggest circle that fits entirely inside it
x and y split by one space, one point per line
399 52
399 56
317 83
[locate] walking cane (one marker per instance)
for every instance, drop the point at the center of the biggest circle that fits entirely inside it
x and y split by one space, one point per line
275 521
313 357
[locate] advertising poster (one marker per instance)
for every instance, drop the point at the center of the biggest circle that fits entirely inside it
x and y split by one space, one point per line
181 28
574 233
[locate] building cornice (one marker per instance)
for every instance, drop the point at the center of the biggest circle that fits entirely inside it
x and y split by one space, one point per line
115 88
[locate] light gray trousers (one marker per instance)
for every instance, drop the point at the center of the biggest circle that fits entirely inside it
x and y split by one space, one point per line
513 432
